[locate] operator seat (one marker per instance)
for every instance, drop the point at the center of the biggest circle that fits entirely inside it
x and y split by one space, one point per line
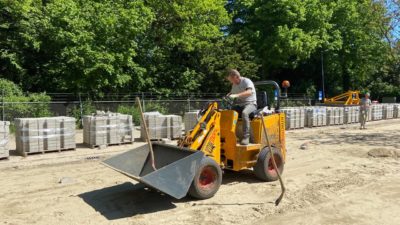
262 102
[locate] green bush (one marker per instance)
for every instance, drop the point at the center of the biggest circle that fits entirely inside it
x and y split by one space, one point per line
19 105
87 109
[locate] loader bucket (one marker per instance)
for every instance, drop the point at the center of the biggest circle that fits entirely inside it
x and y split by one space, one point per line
176 167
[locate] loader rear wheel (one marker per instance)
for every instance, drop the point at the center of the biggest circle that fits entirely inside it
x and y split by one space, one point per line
264 168
207 180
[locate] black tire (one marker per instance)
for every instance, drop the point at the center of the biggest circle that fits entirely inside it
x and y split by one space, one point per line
207 180
264 169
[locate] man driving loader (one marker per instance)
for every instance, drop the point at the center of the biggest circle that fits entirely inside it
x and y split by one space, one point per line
243 93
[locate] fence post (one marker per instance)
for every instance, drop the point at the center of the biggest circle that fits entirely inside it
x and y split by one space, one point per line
81 109
188 102
2 104
144 107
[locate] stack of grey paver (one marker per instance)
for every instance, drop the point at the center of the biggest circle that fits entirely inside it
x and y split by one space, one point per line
335 116
316 116
190 120
107 129
396 113
44 134
154 121
388 111
175 123
162 126
376 112
295 117
125 128
4 135
351 114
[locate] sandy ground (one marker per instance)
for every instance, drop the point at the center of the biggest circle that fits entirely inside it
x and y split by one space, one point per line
333 181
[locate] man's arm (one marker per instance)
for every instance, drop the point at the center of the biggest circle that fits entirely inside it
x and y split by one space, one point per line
245 93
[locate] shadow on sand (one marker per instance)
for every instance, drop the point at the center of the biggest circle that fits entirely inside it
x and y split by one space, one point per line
126 200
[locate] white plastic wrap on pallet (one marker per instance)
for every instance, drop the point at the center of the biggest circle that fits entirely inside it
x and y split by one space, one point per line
190 120
44 134
175 123
388 111
107 128
335 115
316 116
351 114
396 111
376 112
294 117
162 126
4 136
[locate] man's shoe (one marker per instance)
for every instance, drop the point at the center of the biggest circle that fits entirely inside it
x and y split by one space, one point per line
245 141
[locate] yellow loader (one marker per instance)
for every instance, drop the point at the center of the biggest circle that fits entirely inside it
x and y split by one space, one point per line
194 167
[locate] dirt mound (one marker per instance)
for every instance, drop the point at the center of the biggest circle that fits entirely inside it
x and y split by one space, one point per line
384 153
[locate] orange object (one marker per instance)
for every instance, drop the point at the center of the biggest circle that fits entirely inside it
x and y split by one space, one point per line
285 84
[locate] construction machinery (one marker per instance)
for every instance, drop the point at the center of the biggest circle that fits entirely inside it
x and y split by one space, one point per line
347 98
195 165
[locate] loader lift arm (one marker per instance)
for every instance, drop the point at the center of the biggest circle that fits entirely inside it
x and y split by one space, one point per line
195 138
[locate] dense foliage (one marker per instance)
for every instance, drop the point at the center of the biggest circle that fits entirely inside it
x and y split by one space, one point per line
180 46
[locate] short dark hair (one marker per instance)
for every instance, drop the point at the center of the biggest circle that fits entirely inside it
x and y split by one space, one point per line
233 73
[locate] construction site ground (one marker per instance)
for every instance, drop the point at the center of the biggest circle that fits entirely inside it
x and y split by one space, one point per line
342 176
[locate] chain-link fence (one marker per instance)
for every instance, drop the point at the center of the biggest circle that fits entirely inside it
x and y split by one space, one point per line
78 105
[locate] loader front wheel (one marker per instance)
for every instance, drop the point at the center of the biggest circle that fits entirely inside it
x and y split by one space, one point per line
264 168
207 180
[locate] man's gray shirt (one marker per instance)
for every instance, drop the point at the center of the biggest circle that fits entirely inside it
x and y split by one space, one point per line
365 104
245 83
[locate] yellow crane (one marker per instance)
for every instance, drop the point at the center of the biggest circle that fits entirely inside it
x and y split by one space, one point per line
347 98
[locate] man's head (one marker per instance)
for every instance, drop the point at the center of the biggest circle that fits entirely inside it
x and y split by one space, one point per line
367 95
233 76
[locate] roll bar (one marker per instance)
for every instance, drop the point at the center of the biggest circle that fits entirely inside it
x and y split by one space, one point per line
271 82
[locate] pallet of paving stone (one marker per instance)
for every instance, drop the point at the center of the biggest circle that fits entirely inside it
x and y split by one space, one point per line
316 116
4 139
351 114
46 134
396 111
125 129
162 126
376 112
388 111
190 120
295 117
175 123
105 129
335 116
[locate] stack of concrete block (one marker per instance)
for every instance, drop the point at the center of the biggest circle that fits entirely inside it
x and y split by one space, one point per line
316 116
125 128
190 120
351 114
376 112
162 126
66 132
396 113
295 117
154 121
95 130
107 129
4 135
175 123
44 134
388 111
335 116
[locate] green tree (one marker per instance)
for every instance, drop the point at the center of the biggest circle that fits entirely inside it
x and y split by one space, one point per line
91 45
171 49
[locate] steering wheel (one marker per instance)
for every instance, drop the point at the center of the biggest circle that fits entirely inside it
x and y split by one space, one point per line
227 103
